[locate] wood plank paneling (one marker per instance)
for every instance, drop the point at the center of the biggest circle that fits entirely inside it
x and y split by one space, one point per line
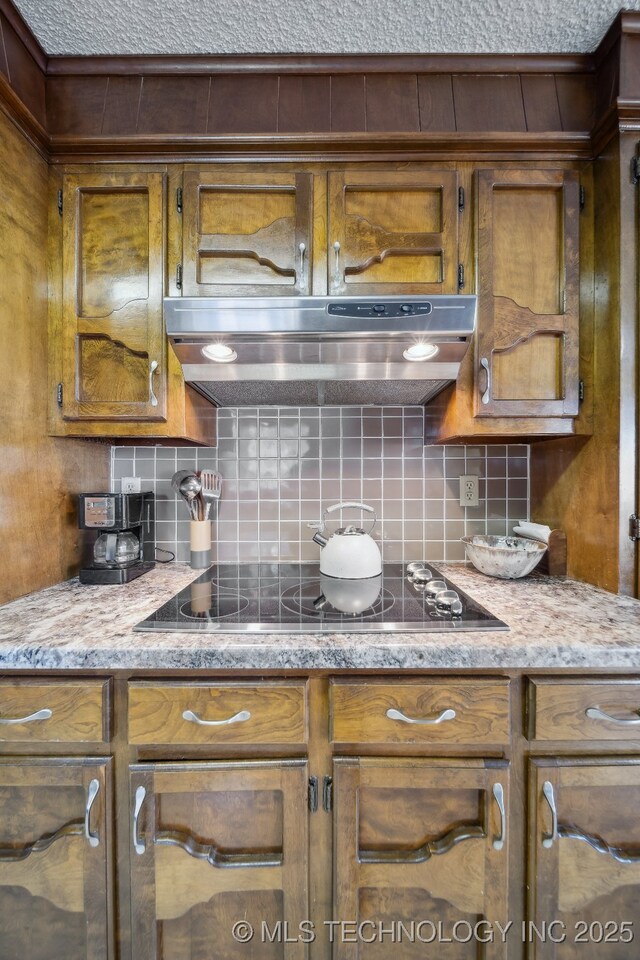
75 105
175 105
435 98
348 104
576 102
392 103
304 105
541 108
243 104
121 107
488 103
4 66
26 77
41 544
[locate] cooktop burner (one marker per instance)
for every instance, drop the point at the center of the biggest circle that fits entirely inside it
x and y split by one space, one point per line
297 598
308 600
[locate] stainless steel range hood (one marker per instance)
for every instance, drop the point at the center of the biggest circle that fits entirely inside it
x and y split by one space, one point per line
320 350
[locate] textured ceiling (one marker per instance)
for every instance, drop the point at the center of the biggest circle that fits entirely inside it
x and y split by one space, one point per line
319 26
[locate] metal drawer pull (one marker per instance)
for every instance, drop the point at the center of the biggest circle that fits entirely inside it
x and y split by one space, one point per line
152 369
549 839
45 714
336 247
138 844
92 793
498 796
448 714
303 249
595 713
486 396
236 718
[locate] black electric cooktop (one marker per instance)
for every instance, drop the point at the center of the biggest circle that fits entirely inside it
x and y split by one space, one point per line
297 598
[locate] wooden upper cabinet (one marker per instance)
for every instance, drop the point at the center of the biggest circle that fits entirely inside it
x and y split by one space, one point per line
528 290
419 840
55 846
214 844
114 355
584 858
393 232
247 234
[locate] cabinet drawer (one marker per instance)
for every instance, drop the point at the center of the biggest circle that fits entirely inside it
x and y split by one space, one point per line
33 711
460 711
190 713
584 709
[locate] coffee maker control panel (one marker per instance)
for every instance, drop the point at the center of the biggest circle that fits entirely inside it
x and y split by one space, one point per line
99 512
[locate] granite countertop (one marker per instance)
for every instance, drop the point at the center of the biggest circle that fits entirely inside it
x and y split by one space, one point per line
553 623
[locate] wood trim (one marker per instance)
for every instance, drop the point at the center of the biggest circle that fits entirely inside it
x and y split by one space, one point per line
15 109
322 64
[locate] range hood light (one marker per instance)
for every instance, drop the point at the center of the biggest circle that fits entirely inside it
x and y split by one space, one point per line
421 351
219 352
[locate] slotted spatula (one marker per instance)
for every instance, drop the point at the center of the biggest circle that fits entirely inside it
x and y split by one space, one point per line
211 482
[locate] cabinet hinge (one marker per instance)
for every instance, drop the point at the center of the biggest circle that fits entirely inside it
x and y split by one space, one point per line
634 527
581 391
460 276
179 276
59 394
460 199
327 794
60 202
635 169
312 794
582 197
179 199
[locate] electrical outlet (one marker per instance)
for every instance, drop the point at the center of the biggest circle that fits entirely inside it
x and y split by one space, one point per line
469 494
130 484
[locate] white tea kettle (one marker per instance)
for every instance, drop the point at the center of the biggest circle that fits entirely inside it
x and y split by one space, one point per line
350 553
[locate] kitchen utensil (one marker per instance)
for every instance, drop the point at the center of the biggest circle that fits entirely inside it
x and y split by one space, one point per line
508 558
350 553
116 549
211 482
190 488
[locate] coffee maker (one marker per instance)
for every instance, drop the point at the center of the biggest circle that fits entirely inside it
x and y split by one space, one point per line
125 546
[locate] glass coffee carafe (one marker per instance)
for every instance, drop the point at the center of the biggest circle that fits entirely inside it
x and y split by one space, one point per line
116 549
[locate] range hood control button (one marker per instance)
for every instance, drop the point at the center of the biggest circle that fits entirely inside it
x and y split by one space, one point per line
406 308
379 308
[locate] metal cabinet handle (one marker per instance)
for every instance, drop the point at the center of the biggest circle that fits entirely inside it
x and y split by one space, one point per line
595 713
44 714
153 366
92 793
486 396
138 844
549 839
236 718
336 247
447 714
303 249
498 796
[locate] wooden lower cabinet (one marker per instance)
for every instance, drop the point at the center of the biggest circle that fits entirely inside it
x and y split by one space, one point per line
422 843
215 845
55 840
584 859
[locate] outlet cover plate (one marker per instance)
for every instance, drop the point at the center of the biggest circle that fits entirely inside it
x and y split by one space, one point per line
130 485
469 492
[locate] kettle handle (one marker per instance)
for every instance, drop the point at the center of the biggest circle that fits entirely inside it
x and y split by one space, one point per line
350 503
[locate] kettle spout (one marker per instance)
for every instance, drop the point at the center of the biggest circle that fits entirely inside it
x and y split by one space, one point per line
318 538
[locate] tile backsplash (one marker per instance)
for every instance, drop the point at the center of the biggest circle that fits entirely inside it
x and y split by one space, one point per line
282 465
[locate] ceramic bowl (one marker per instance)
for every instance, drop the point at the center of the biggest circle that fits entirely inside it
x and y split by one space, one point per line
506 557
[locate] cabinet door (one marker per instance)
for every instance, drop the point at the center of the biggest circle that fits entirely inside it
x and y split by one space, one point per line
246 234
54 843
114 356
420 840
214 844
584 859
528 289
393 232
